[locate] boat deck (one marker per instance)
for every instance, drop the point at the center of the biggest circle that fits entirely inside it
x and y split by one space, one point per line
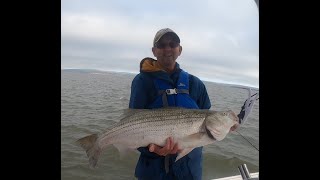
254 176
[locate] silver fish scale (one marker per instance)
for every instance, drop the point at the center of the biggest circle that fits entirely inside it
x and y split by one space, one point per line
159 122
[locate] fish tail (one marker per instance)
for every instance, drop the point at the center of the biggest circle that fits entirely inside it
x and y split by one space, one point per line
90 144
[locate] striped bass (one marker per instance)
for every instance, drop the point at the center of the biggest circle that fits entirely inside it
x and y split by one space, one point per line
190 128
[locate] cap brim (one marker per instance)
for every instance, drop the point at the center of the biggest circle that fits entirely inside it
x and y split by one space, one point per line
173 34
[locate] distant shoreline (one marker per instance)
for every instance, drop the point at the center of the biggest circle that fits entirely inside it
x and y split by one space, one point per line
132 73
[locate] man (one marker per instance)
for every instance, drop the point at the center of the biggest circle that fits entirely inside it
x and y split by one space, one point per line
162 83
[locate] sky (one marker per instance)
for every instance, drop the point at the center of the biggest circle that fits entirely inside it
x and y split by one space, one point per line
219 38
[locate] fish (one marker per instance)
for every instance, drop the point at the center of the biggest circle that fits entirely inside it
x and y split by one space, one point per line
190 128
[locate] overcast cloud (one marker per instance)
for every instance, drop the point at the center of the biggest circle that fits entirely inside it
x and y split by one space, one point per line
220 38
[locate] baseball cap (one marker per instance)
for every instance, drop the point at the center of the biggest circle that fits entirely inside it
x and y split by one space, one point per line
162 32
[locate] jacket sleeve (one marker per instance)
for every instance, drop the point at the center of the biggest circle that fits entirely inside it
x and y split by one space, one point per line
204 101
199 93
138 96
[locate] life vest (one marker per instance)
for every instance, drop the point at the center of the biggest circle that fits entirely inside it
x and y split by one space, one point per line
177 96
188 167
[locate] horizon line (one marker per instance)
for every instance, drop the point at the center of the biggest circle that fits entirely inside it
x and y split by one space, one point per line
203 79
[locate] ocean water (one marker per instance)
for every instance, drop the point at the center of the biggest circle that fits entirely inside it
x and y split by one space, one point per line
92 100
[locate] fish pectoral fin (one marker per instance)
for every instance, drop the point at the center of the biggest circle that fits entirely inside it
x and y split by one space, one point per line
123 150
191 140
194 137
183 153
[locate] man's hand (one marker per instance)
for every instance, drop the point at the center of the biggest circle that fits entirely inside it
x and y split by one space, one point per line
169 148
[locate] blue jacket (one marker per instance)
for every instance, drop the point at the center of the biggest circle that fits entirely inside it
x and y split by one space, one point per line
145 94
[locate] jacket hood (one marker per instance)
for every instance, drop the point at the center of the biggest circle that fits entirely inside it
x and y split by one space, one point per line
150 65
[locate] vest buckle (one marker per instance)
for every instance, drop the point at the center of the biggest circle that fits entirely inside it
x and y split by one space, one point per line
171 91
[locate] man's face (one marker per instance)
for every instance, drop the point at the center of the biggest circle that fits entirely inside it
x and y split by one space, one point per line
167 51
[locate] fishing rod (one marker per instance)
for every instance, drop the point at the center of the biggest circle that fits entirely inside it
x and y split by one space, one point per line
245 111
255 94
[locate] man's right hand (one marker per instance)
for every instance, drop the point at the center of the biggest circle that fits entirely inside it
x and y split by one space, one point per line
169 148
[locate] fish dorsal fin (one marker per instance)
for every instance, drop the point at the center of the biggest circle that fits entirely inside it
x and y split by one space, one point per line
129 112
183 109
